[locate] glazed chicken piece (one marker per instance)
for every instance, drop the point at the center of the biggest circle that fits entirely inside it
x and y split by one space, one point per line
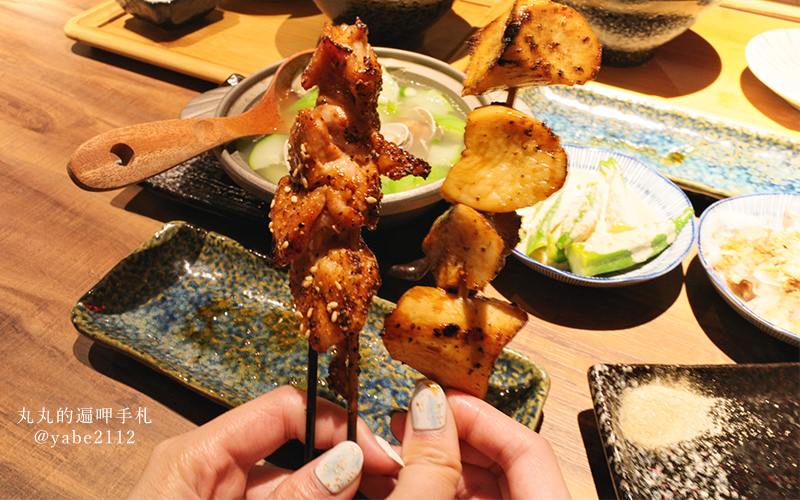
336 157
336 151
333 285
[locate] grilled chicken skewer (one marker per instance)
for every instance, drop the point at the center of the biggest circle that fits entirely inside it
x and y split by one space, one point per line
336 158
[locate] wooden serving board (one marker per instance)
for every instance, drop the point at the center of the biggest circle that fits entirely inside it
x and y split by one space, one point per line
242 36
703 71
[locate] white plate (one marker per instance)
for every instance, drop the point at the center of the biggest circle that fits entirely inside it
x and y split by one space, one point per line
774 57
666 200
747 211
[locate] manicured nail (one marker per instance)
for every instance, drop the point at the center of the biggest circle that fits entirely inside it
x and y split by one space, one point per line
428 406
340 466
395 410
390 451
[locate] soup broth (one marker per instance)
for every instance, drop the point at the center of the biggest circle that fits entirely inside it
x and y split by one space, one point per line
415 115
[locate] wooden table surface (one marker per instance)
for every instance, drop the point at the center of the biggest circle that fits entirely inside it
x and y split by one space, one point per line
56 241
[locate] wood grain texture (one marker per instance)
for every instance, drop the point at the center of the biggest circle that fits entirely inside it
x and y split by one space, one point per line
243 36
57 240
704 71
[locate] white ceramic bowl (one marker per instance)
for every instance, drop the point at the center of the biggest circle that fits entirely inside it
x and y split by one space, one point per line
742 211
774 57
665 199
395 206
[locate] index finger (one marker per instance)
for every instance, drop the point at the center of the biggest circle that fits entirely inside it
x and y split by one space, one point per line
526 458
254 430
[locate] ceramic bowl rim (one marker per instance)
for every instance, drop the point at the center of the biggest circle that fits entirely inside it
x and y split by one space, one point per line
668 260
709 221
777 69
255 84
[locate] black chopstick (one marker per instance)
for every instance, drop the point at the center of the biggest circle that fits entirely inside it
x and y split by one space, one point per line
311 403
353 358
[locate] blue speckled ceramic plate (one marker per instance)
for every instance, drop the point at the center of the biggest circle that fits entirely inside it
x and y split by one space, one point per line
749 449
743 211
202 309
698 153
666 200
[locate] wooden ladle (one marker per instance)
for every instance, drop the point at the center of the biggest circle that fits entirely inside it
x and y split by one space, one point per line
131 154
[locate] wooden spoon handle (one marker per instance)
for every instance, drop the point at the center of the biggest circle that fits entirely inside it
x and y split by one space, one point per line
131 154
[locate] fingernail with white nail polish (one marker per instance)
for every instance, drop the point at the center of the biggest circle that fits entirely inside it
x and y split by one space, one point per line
390 451
428 406
340 466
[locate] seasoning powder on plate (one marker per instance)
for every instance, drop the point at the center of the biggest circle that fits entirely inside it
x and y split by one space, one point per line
660 414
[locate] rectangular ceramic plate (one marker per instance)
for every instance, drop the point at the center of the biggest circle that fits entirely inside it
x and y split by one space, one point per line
696 153
202 309
753 450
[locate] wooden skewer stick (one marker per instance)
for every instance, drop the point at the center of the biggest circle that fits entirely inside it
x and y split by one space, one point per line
311 404
512 95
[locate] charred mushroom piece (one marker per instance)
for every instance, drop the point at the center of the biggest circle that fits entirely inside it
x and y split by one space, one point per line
536 42
451 339
510 161
465 248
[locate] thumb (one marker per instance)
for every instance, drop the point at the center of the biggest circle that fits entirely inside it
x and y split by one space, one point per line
430 447
334 474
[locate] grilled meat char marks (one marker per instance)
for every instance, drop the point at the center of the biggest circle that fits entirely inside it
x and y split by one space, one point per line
336 158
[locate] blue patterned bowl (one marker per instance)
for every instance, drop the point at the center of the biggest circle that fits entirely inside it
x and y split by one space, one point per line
665 199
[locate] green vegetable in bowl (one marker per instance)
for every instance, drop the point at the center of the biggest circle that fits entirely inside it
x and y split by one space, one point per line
595 225
267 157
615 251
421 120
307 101
579 221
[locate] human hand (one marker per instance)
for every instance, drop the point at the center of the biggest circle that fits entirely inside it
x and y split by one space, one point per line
223 458
497 457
